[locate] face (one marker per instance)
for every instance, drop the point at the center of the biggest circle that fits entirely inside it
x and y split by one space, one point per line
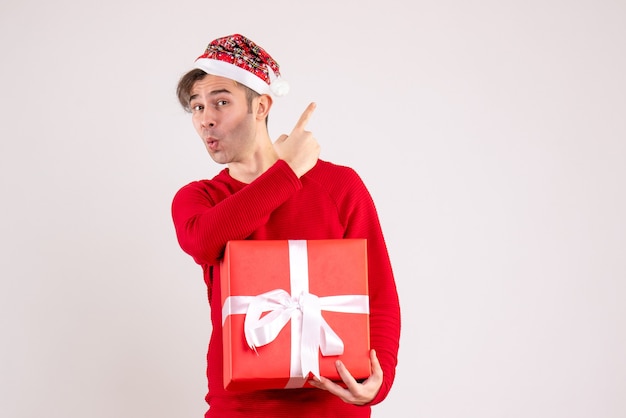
223 119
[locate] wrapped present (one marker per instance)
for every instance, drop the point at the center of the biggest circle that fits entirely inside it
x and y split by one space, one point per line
291 308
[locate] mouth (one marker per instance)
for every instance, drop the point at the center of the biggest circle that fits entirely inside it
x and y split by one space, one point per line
211 143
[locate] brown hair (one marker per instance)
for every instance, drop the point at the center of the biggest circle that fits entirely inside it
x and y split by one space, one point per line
187 81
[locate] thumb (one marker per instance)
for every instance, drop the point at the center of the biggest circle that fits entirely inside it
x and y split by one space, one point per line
281 139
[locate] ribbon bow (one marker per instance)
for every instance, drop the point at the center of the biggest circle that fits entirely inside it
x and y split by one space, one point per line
306 310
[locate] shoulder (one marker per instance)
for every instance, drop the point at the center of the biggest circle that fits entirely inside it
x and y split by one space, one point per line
334 173
214 189
340 181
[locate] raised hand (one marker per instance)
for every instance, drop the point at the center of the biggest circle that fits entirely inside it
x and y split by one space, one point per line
299 149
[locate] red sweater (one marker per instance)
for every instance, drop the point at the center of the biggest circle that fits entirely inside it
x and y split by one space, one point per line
328 202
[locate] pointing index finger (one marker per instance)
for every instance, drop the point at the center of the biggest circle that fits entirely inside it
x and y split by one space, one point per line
304 119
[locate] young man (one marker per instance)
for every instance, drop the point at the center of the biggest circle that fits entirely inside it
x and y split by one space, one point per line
276 191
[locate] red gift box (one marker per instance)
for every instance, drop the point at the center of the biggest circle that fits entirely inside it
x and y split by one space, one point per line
291 308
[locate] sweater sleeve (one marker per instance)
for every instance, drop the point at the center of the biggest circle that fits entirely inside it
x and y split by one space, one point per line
205 222
362 222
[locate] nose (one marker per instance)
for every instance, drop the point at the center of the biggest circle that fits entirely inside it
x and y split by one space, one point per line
208 119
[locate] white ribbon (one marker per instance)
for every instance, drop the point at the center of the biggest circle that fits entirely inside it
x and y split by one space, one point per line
310 333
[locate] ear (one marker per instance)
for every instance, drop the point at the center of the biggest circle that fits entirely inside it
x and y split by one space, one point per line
264 105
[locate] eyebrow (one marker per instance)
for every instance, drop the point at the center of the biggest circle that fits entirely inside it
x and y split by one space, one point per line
212 93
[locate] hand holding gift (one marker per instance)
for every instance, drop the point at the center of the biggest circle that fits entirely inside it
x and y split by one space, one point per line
354 392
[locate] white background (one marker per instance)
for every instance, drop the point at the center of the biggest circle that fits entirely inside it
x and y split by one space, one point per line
491 135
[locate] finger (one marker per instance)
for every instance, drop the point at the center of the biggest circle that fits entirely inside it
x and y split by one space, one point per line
304 118
332 387
346 376
281 139
376 368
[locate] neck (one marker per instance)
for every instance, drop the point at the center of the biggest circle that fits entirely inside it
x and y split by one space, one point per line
250 169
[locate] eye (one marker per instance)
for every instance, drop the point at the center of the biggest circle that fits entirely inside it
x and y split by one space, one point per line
221 103
196 108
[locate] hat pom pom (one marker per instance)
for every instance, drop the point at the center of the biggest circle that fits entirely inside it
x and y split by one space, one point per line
279 87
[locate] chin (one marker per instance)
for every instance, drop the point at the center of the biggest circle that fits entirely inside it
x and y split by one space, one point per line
218 158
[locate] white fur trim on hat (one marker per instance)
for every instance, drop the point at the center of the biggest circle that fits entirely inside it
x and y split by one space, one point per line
232 71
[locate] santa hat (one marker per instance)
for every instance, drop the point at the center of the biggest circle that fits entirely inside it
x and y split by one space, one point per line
238 58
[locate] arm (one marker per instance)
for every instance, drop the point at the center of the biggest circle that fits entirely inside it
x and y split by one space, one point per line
384 303
206 218
361 220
